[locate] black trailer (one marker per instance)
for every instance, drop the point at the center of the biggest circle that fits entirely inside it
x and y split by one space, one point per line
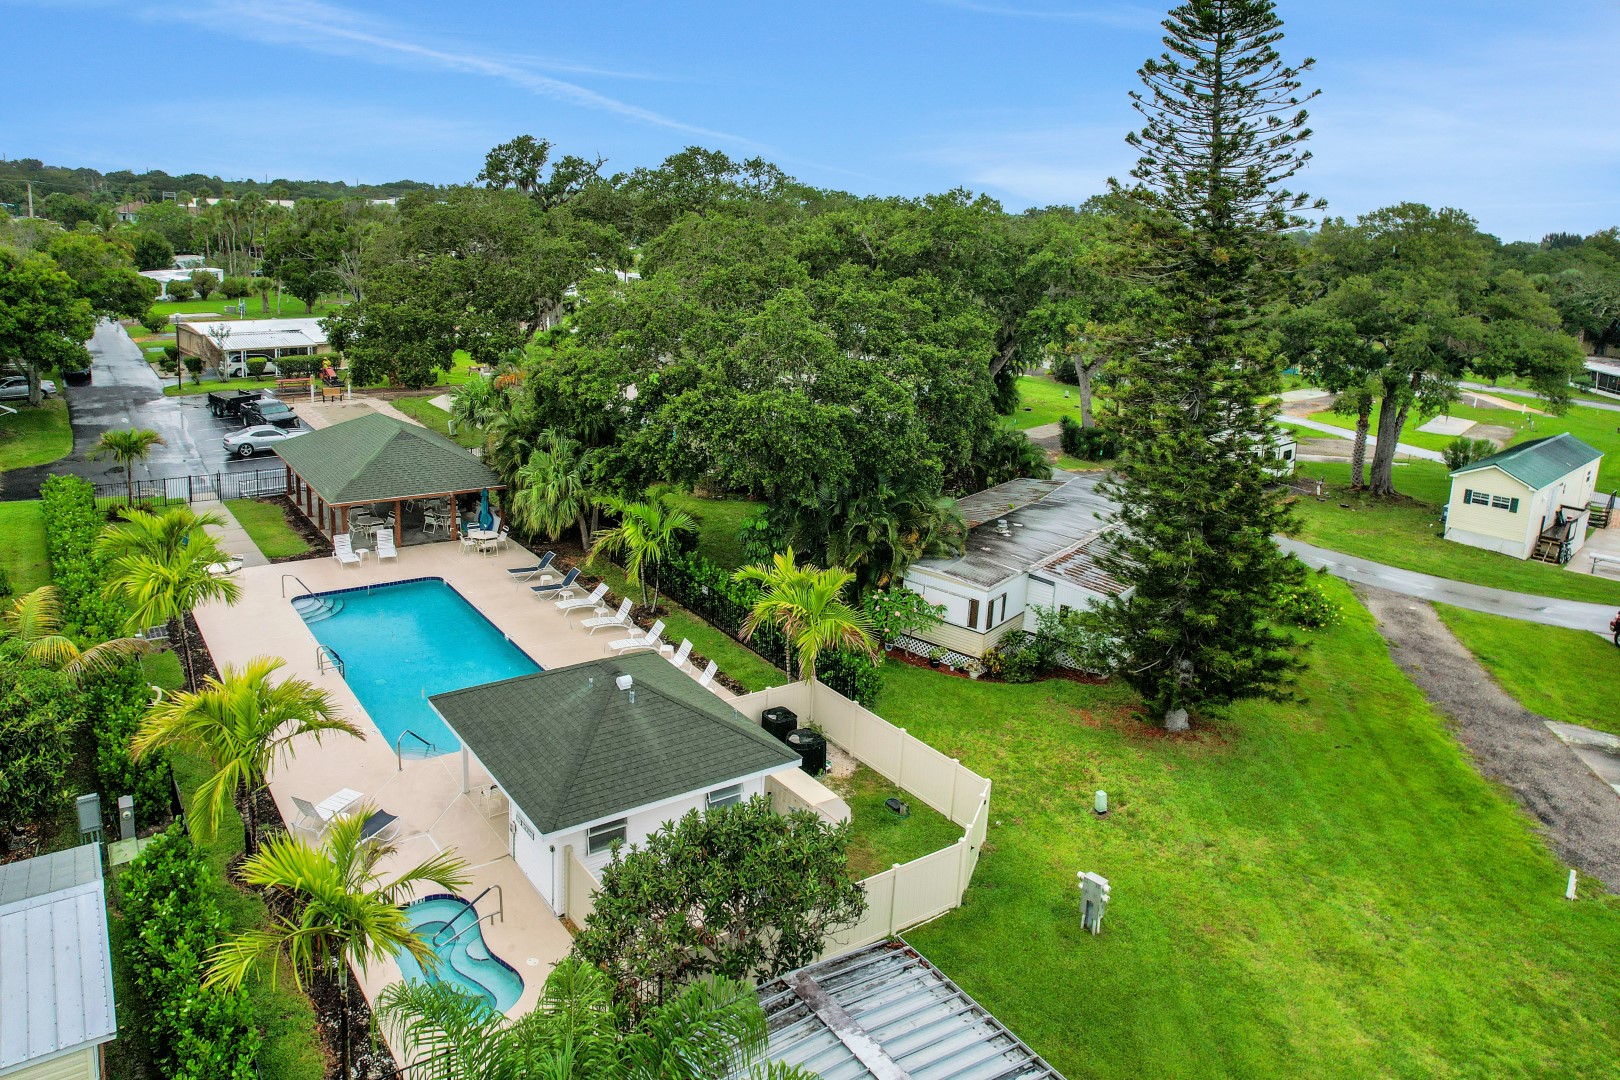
230 403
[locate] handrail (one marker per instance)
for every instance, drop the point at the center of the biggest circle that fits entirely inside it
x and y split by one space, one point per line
500 910
399 753
326 656
298 579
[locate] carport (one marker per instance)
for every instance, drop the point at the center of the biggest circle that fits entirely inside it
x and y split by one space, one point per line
385 466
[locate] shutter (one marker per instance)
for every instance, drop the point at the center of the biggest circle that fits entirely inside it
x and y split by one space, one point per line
1513 507
973 615
1468 496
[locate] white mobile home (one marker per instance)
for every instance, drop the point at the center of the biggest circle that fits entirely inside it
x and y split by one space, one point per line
605 751
1529 501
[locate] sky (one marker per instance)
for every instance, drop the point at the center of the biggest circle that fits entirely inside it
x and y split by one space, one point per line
1501 108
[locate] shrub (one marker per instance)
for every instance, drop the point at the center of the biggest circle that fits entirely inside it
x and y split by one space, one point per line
1306 605
180 290
256 368
298 366
5 584
761 539
172 915
155 321
899 611
1063 371
194 364
39 712
204 282
172 354
89 613
1463 451
1087 444
234 288
852 674
1024 664
118 700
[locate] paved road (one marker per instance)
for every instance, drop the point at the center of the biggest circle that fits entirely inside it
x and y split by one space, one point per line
1372 440
1538 609
1605 406
124 392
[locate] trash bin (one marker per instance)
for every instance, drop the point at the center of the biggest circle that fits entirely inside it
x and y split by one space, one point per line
778 722
812 749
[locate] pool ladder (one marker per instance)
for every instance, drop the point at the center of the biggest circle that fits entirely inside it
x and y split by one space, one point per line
307 590
472 905
327 657
399 749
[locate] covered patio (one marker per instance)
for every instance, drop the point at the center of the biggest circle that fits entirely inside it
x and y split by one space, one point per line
377 472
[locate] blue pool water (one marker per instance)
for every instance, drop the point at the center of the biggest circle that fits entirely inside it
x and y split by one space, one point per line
465 961
403 643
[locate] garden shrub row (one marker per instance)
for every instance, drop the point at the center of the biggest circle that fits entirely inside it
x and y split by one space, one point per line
1086 443
171 911
40 712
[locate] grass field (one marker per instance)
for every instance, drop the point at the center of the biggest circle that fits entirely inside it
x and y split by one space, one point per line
429 415
266 525
1405 532
718 521
291 307
1558 673
35 436
1317 889
880 838
22 545
1043 398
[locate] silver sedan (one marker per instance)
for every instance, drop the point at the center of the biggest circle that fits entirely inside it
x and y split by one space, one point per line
260 438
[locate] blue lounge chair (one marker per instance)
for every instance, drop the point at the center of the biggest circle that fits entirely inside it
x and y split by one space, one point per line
566 585
528 573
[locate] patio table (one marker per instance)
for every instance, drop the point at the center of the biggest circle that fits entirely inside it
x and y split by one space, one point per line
334 804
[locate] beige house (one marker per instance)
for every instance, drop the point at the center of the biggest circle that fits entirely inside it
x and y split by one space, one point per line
250 339
1531 501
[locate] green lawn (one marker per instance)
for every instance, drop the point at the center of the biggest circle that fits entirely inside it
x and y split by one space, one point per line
718 521
1561 674
291 307
267 526
35 435
429 415
1317 889
1043 398
22 545
1405 532
880 837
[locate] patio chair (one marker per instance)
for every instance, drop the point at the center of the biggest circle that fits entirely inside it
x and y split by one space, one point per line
467 542
231 565
320 814
650 640
566 585
385 546
343 551
617 621
708 675
679 659
529 573
592 601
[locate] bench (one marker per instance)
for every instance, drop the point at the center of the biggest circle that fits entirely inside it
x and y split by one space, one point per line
331 393
1601 560
292 384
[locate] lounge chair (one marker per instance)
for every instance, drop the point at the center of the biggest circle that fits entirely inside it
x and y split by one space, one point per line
617 621
385 545
231 565
566 585
343 551
679 659
652 639
708 675
592 601
320 814
529 573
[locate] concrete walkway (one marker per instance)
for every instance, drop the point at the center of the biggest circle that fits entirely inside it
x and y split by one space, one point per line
1538 609
1605 406
1372 440
232 538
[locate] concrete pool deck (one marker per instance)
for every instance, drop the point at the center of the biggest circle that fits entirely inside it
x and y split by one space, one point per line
424 793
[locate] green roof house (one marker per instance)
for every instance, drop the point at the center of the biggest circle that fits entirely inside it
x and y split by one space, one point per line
1530 501
602 751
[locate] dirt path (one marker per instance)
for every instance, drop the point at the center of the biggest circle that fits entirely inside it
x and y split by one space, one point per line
1579 814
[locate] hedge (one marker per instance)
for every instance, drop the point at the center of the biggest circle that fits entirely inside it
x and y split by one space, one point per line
1086 443
173 921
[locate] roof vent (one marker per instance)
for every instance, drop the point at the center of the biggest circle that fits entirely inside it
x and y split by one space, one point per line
624 682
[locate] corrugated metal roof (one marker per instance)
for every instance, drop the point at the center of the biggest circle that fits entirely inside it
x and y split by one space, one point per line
1079 565
377 458
1068 512
56 990
1538 462
265 333
1003 499
885 1012
568 746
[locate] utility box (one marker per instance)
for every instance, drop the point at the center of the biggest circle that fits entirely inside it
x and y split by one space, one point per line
89 809
126 817
1093 900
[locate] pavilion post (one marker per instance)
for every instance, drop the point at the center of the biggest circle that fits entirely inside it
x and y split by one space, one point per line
343 517
399 523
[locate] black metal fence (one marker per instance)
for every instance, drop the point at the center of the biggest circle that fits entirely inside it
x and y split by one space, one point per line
202 487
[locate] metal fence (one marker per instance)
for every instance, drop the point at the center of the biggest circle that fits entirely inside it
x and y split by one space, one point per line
202 487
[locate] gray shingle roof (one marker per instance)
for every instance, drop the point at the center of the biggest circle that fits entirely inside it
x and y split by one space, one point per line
56 990
568 747
1538 462
377 458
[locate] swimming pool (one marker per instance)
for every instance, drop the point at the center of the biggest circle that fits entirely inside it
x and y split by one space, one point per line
402 643
454 933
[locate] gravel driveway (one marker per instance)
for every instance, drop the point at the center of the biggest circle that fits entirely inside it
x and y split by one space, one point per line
1579 814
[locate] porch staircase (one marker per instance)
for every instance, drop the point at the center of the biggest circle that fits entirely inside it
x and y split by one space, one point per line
314 609
1600 514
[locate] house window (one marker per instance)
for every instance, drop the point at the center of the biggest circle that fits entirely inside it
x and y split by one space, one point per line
602 837
973 614
1501 502
1478 498
726 796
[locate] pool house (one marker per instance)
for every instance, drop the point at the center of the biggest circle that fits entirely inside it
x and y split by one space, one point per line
376 472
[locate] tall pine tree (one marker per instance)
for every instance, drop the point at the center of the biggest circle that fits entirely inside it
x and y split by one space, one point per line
1224 123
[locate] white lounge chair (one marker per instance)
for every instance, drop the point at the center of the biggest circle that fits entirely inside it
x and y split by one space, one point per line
343 551
652 639
385 546
708 674
679 659
320 814
575 603
619 620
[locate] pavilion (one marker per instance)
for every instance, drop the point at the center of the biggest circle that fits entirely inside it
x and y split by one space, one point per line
378 465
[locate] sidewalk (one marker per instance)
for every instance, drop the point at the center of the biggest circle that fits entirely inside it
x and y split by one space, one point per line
233 539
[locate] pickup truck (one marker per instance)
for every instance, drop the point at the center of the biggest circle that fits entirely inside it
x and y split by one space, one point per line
269 409
230 402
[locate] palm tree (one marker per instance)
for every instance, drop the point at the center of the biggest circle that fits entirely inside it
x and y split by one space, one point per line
126 448
243 724
883 531
476 402
709 1029
161 564
806 604
645 536
35 619
341 911
552 489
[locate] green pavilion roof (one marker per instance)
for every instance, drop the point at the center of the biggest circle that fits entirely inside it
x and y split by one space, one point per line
1538 462
377 458
569 747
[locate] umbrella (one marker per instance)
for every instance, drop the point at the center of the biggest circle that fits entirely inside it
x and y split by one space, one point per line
486 520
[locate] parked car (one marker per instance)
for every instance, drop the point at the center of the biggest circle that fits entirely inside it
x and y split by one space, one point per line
261 438
269 409
15 388
77 376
